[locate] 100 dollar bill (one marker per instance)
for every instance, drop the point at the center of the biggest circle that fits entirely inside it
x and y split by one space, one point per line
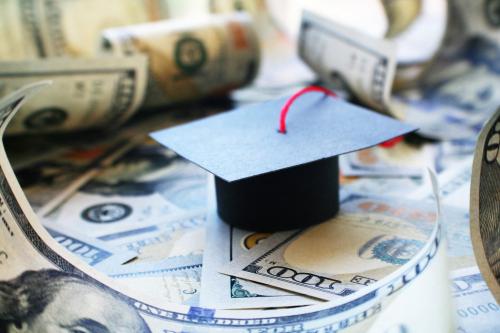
485 204
189 59
341 55
32 261
85 93
370 238
34 29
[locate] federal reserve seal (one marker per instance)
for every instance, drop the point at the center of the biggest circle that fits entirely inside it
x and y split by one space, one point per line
46 118
190 55
396 251
106 213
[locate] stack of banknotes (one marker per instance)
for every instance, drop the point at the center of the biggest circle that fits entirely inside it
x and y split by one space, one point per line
105 230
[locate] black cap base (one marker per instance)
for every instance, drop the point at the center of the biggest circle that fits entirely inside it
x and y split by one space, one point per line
292 198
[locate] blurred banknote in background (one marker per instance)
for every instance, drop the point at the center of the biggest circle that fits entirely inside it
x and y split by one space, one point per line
343 57
121 69
190 58
44 29
94 212
85 93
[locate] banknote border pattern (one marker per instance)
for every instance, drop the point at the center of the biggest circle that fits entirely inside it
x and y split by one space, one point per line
377 90
475 186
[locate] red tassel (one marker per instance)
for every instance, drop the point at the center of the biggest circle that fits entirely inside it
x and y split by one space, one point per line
292 99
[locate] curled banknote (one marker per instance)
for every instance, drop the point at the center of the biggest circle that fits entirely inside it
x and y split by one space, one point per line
485 204
54 284
34 29
346 58
449 96
85 93
58 40
190 58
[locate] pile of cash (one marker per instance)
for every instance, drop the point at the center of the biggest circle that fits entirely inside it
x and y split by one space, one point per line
105 230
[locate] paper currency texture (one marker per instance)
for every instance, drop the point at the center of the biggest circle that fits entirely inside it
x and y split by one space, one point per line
485 204
85 93
190 58
33 263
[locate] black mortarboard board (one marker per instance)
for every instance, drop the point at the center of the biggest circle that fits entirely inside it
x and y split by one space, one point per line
266 180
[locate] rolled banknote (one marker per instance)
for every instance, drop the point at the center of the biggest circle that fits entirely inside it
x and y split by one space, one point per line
85 93
417 27
347 58
485 204
190 58
43 287
34 29
401 14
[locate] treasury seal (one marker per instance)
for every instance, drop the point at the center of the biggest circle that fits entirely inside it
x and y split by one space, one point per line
396 251
46 118
190 55
106 213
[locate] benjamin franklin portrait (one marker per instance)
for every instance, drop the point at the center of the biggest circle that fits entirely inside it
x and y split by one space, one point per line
57 302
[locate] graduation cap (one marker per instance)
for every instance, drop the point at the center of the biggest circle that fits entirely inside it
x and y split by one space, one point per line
277 172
